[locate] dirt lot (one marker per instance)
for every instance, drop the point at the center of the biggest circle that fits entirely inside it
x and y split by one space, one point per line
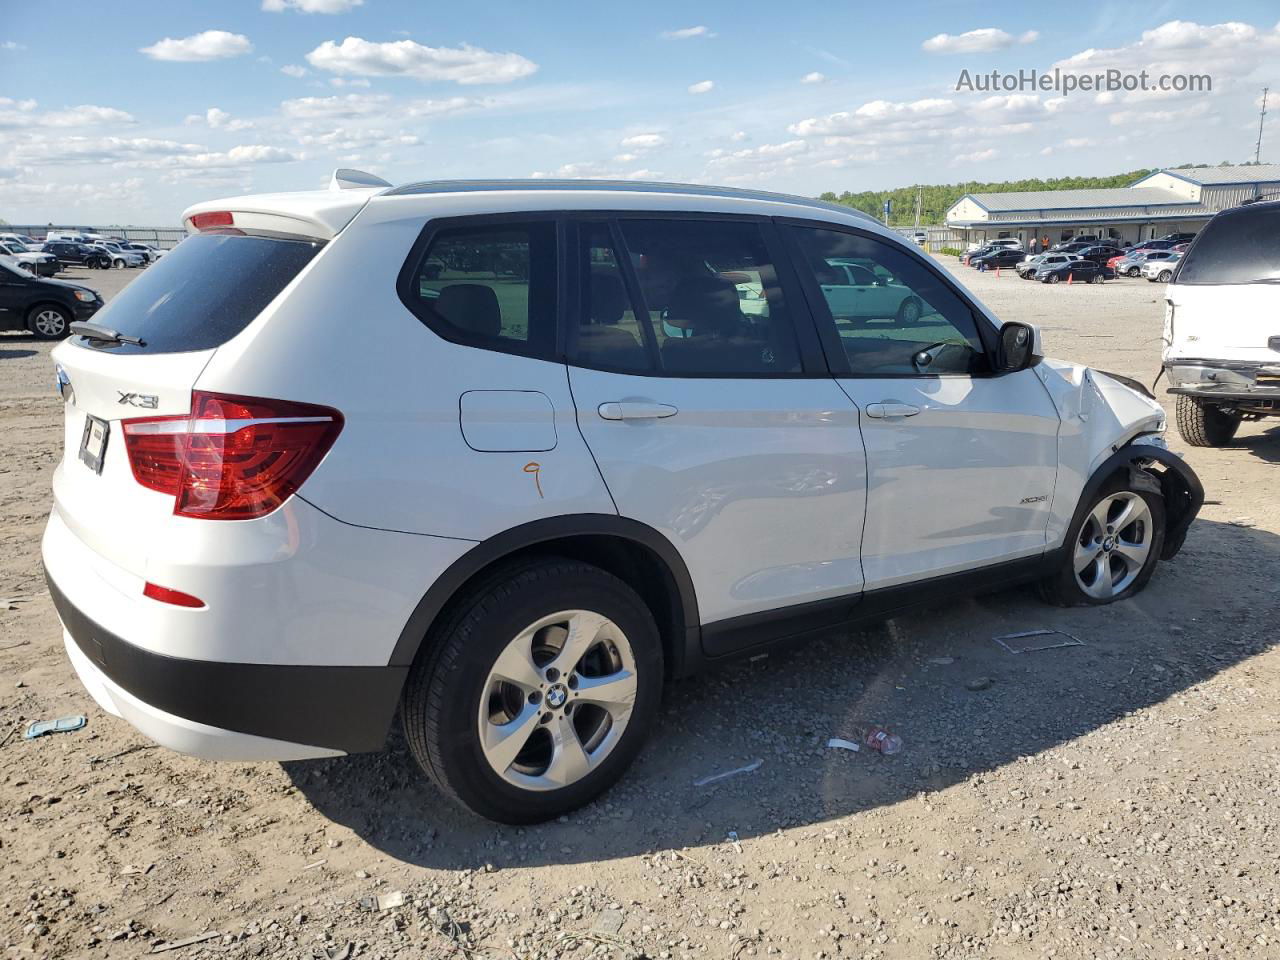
1116 799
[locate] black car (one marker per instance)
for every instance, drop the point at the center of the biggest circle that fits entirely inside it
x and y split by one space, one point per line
1099 254
71 253
47 308
1071 246
999 257
1079 271
1177 238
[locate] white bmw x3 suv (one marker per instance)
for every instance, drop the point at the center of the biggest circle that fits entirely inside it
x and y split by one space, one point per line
508 456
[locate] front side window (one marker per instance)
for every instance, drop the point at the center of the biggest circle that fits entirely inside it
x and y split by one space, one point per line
491 286
907 322
710 298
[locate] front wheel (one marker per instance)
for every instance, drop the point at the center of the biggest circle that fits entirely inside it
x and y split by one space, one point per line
536 692
1114 550
909 311
49 322
1054 278
1204 424
1096 278
119 264
1165 276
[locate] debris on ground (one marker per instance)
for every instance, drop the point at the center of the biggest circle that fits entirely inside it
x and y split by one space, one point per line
882 741
185 942
383 901
62 725
751 767
1033 645
839 743
608 923
942 661
978 683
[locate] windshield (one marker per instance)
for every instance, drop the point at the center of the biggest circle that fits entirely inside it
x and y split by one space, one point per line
204 292
1238 246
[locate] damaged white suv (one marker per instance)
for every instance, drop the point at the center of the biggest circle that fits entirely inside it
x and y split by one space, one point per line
509 456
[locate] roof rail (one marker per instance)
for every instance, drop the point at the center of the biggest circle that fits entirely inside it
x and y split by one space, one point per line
344 178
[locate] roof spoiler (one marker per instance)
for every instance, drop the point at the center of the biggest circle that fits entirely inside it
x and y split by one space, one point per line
345 178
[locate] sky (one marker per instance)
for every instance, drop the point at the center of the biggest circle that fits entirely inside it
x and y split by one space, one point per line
128 112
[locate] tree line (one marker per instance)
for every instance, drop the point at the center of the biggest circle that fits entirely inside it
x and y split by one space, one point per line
937 198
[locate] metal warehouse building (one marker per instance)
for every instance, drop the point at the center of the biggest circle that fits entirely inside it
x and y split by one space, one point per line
1166 201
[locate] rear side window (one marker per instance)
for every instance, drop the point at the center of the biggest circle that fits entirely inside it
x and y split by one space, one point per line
490 286
204 291
1239 246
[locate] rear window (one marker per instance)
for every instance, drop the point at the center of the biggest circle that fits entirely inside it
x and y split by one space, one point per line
1240 246
204 291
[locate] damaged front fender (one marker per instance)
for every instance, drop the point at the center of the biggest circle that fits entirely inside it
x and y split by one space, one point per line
1158 470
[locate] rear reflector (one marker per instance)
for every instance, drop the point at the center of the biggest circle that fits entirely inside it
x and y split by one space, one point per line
175 597
232 458
219 218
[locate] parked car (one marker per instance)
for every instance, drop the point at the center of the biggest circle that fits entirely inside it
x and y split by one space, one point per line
120 256
37 262
968 256
515 553
919 238
1002 257
1099 253
1077 271
861 291
68 236
1027 269
1161 270
78 254
149 253
1074 246
20 238
1012 242
46 308
1151 245
1133 265
1222 340
1176 238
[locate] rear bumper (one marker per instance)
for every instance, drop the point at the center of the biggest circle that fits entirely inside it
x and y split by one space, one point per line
231 711
1245 382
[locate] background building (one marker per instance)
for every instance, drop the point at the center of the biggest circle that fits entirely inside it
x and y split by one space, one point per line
1166 201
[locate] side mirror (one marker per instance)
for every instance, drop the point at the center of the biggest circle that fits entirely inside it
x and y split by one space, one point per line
1019 348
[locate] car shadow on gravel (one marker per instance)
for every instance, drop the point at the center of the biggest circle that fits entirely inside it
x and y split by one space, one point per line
7 354
1264 446
963 705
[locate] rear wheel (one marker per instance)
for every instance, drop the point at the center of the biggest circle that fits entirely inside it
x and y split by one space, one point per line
909 311
119 264
1205 424
49 321
536 692
1114 550
1096 278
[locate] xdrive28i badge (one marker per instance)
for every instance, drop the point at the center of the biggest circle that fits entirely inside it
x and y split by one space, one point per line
147 401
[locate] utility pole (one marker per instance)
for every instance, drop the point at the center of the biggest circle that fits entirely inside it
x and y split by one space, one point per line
918 206
1262 118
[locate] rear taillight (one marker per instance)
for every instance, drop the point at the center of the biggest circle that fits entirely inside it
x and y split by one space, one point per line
217 218
232 458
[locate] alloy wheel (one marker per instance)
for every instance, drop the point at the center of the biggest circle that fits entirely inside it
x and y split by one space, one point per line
1113 545
557 700
49 323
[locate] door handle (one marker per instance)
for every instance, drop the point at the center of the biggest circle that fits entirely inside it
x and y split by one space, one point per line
636 410
891 408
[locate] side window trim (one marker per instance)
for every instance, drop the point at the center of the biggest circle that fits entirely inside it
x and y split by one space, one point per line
837 359
407 278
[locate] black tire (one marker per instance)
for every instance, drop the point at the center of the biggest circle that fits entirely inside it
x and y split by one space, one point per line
119 264
1165 276
1053 278
1062 589
1096 278
1202 423
443 693
910 310
49 321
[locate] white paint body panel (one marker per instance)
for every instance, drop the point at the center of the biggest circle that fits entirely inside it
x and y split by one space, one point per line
1221 321
760 484
946 487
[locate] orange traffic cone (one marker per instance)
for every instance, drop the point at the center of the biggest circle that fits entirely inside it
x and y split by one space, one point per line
997 272
1069 276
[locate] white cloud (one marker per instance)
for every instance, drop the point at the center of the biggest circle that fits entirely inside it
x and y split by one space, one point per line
814 77
293 70
311 6
373 104
344 82
688 33
218 119
738 136
984 40
209 45
625 158
702 86
593 171
642 141
875 114
11 45
245 155
62 150
355 56
22 114
978 156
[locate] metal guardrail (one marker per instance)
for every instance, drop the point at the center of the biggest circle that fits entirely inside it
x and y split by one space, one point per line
165 238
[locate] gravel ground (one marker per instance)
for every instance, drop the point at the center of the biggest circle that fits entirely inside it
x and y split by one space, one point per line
1115 799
